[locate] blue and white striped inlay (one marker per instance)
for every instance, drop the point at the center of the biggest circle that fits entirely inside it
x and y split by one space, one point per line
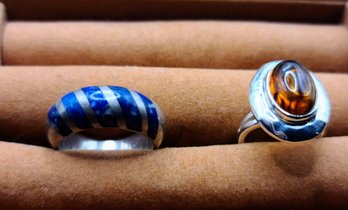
104 106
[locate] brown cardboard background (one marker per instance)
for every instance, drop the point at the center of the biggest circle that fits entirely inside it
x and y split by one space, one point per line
310 175
282 10
3 22
198 44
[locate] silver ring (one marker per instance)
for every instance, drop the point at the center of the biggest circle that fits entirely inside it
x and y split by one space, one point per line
288 102
105 118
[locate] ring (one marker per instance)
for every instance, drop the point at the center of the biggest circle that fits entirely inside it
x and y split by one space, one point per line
80 118
288 102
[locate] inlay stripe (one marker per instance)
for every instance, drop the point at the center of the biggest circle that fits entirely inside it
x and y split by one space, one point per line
142 109
65 116
129 108
86 106
75 111
100 106
152 116
116 110
57 122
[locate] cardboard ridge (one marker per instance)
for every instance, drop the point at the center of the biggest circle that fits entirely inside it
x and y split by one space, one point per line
190 44
311 175
306 10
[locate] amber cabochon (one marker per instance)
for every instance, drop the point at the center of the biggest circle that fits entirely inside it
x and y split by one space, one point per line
293 88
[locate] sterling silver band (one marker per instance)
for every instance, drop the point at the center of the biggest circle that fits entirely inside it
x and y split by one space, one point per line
248 124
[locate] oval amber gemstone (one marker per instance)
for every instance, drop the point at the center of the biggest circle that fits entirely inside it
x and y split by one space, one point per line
293 88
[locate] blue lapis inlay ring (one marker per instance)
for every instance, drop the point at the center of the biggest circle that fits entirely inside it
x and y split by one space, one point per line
105 108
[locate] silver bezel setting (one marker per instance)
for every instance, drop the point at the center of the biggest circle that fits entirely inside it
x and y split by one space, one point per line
280 124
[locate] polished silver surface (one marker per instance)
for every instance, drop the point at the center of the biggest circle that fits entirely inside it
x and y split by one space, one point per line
78 141
279 124
248 124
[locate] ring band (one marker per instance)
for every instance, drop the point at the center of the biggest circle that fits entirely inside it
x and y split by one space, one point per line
101 108
288 102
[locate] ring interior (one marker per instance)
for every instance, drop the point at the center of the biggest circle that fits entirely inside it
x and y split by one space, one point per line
82 141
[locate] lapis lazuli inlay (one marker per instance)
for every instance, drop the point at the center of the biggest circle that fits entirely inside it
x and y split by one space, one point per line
129 108
152 116
109 106
100 106
55 119
75 111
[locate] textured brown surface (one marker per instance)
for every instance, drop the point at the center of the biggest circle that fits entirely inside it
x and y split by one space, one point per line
202 107
345 16
217 44
311 175
288 10
2 26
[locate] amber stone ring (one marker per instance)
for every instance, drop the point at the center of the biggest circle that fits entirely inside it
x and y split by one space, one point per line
288 102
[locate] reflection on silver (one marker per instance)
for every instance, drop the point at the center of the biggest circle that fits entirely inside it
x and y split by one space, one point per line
78 141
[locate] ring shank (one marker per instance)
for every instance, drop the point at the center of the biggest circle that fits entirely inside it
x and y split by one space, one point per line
82 142
248 124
